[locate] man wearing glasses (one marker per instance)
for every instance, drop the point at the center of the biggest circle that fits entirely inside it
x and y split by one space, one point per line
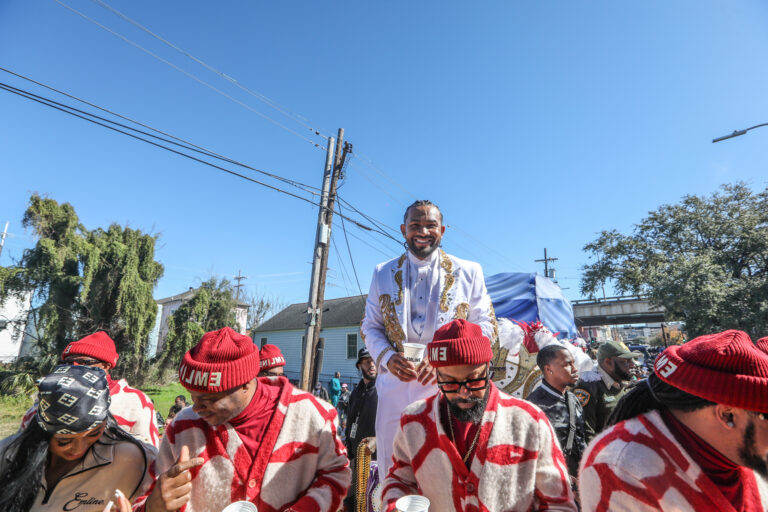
693 436
471 446
132 409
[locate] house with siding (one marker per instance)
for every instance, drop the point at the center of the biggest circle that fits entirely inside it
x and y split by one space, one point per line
340 332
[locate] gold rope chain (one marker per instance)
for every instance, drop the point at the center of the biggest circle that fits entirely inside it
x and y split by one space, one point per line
453 436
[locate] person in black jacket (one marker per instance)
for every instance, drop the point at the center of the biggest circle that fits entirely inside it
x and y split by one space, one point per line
560 404
361 415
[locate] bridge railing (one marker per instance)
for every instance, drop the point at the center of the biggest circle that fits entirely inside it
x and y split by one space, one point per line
619 298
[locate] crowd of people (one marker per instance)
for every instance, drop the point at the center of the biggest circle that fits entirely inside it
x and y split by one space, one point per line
691 436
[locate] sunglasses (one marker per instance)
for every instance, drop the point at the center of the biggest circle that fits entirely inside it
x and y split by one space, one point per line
470 384
81 361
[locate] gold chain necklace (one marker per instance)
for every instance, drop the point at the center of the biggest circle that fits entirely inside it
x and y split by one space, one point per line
453 436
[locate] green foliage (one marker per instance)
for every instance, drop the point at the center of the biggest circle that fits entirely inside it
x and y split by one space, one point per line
705 260
212 307
84 281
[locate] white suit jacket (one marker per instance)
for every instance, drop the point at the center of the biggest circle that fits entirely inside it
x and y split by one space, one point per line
462 295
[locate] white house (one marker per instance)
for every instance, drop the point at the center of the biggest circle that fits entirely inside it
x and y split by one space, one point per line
14 316
169 305
340 332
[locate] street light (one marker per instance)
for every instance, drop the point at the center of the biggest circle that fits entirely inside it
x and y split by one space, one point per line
736 133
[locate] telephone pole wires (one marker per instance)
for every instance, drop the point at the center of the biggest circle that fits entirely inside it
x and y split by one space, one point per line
331 174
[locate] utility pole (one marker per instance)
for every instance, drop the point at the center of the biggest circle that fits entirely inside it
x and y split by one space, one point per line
2 238
546 261
239 277
333 167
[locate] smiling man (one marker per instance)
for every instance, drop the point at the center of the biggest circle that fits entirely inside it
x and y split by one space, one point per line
471 447
694 436
559 404
246 438
409 299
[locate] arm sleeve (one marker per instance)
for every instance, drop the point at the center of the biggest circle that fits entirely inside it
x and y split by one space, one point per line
635 494
553 485
372 328
333 475
162 463
481 308
401 480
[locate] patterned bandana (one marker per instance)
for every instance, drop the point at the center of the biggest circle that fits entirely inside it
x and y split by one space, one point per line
73 399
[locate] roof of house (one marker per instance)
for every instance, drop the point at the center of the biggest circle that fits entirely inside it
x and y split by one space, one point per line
185 296
343 312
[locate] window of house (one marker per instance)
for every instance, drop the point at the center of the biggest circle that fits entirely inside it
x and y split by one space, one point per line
351 346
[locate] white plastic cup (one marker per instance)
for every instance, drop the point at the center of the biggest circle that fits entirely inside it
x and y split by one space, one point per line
241 506
412 503
414 352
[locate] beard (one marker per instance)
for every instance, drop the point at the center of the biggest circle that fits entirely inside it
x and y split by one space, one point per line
474 414
424 252
369 376
748 453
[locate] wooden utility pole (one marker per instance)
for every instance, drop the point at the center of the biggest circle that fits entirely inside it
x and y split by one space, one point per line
239 277
333 167
546 261
2 237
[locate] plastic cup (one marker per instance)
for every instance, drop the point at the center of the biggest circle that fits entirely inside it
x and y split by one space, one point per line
414 352
241 506
412 503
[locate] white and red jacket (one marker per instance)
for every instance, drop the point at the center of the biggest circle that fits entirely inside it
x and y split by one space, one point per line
517 463
132 409
638 465
300 466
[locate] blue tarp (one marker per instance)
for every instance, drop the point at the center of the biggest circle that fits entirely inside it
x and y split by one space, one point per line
529 298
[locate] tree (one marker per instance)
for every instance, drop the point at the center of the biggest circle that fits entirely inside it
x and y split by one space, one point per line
212 307
84 281
705 260
260 307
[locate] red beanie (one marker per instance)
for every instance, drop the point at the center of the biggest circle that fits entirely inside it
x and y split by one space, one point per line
221 360
762 344
459 342
271 357
97 345
725 368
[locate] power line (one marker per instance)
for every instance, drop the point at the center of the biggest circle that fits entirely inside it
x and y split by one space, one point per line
85 116
349 251
298 184
190 75
296 117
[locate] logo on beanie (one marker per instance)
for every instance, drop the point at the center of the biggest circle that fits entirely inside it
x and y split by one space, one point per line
664 366
438 354
273 361
199 378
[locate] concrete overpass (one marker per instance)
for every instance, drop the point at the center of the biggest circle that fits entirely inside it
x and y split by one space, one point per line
615 311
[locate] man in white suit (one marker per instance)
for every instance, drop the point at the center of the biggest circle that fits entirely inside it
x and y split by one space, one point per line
410 298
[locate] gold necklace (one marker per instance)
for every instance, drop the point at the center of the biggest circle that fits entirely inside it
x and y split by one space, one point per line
453 436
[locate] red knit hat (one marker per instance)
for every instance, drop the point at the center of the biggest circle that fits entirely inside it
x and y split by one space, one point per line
457 343
762 344
725 368
97 345
221 360
271 357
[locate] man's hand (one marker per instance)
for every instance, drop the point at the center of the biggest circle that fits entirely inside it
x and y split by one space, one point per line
401 368
426 373
173 488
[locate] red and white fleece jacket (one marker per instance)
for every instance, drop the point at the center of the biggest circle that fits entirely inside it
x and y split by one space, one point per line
638 465
132 409
300 466
517 463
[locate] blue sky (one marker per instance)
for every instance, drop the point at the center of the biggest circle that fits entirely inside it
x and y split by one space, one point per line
532 124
